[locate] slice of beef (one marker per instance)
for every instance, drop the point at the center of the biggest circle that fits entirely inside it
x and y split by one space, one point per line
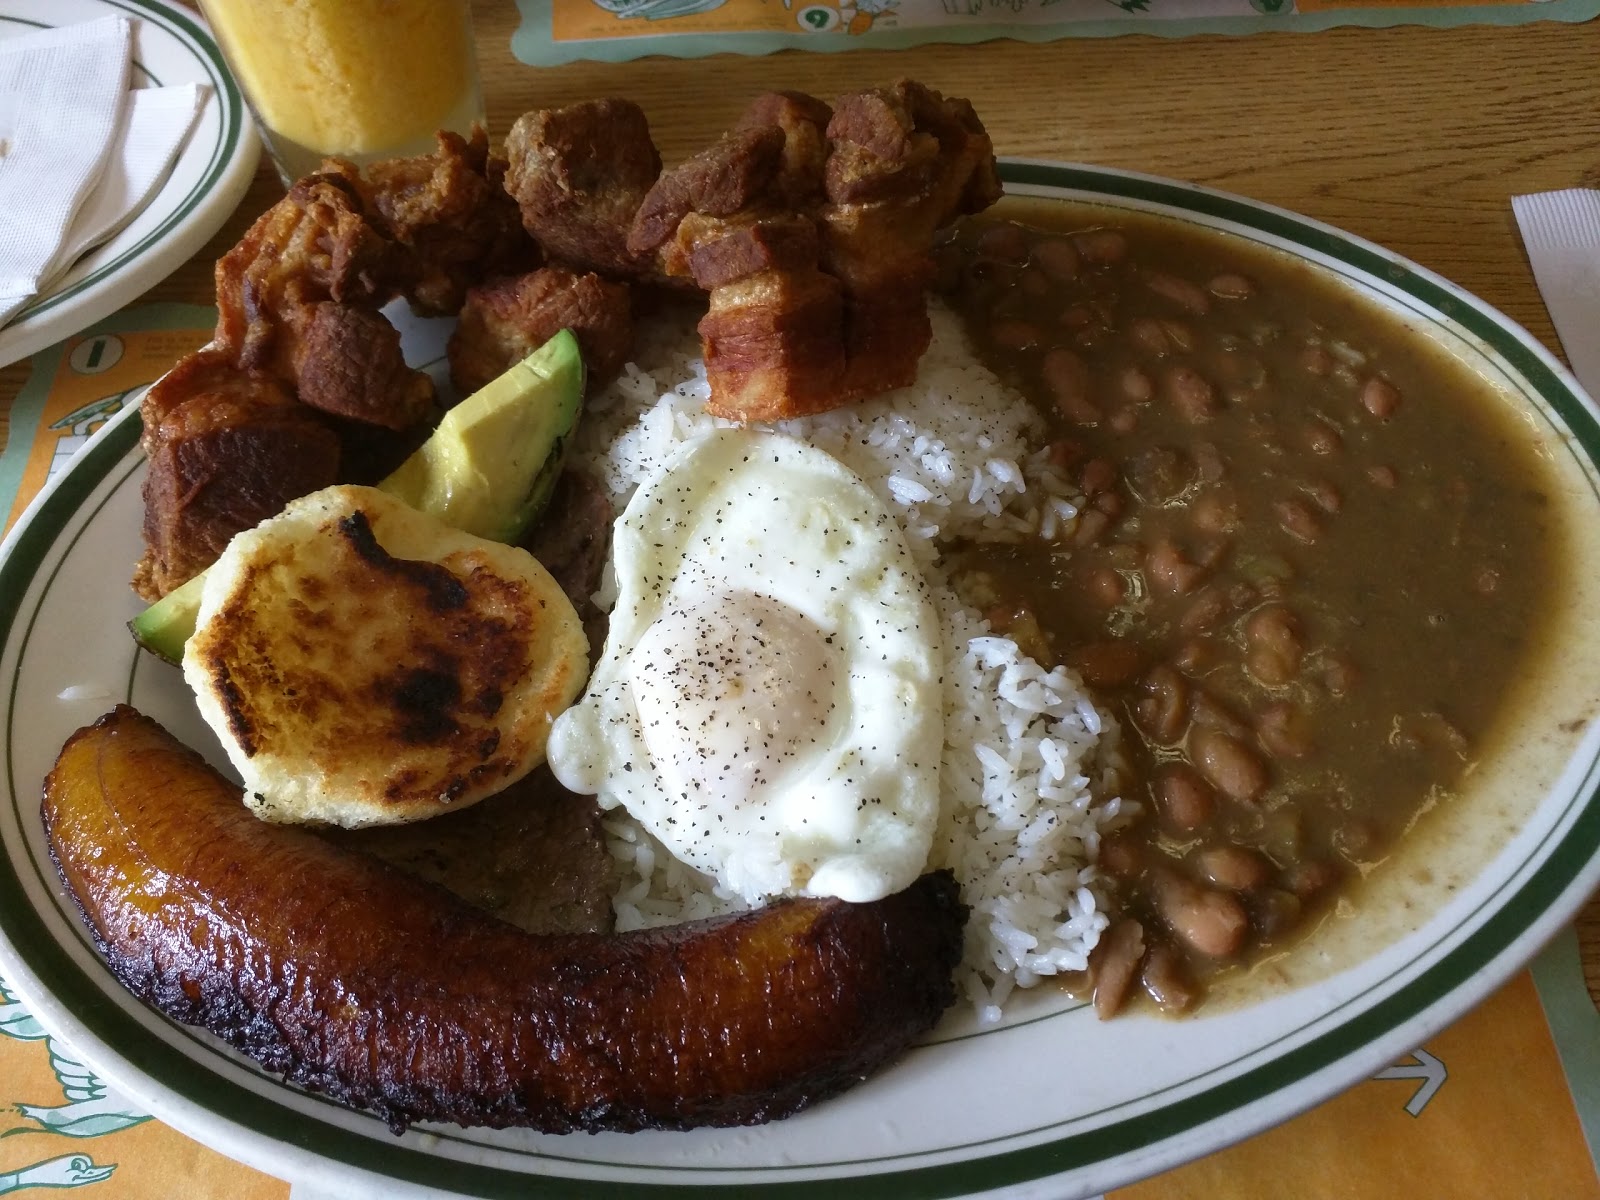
571 541
533 855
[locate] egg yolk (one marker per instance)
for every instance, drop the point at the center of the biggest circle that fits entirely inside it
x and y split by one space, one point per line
734 691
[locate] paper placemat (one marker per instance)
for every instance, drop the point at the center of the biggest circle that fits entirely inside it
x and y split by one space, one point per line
559 31
1504 1103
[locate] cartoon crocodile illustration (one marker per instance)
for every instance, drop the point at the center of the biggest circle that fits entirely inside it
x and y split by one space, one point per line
67 1171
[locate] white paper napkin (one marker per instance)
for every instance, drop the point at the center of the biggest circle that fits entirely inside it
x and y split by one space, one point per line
62 92
1561 231
155 122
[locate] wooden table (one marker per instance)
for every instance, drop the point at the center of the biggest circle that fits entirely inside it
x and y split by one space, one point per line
1414 138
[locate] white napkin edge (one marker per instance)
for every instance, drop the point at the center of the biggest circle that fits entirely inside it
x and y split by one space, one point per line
56 36
12 302
155 122
1561 233
113 38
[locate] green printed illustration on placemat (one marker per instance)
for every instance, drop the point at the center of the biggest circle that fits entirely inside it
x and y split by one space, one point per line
89 1110
75 387
1574 1027
620 30
79 384
65 1171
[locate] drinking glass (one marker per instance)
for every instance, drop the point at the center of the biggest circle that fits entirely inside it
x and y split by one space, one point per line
356 79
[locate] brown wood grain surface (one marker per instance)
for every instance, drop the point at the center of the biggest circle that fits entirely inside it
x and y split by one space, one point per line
1415 138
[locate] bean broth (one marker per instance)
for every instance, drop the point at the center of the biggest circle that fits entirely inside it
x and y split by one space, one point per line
1313 557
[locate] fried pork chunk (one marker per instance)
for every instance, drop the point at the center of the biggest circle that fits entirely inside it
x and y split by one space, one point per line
578 174
298 298
347 362
227 449
804 122
797 326
302 358
738 174
314 245
810 227
903 163
732 218
772 336
449 215
505 320
424 228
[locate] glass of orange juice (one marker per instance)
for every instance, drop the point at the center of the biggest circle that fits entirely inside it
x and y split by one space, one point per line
357 79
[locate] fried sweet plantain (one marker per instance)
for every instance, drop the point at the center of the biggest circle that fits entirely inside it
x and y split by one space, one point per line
387 993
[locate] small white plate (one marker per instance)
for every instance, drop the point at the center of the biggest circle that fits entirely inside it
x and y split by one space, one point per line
1051 1103
212 171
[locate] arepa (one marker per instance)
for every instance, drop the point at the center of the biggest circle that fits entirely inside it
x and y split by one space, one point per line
364 664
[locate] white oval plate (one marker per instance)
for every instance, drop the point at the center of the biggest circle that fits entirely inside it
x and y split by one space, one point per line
209 176
1050 1103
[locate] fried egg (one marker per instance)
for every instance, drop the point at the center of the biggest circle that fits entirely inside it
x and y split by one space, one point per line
365 664
768 703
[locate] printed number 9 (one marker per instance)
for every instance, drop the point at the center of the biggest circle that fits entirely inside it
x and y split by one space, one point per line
817 18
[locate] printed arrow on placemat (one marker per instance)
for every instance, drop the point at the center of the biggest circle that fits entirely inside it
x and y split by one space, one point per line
1423 1066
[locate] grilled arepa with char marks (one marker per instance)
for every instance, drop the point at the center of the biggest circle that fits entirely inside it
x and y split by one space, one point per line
364 664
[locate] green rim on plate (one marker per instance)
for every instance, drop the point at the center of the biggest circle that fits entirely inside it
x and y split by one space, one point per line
1566 862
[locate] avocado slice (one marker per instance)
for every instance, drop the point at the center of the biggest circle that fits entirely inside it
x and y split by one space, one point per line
165 626
491 465
488 469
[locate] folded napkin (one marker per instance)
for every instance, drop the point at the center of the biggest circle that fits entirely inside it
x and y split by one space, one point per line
1561 231
62 92
155 122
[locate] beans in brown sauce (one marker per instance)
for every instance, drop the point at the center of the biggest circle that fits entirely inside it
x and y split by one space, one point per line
1309 556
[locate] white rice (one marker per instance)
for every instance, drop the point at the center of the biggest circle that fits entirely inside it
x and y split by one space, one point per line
1019 823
